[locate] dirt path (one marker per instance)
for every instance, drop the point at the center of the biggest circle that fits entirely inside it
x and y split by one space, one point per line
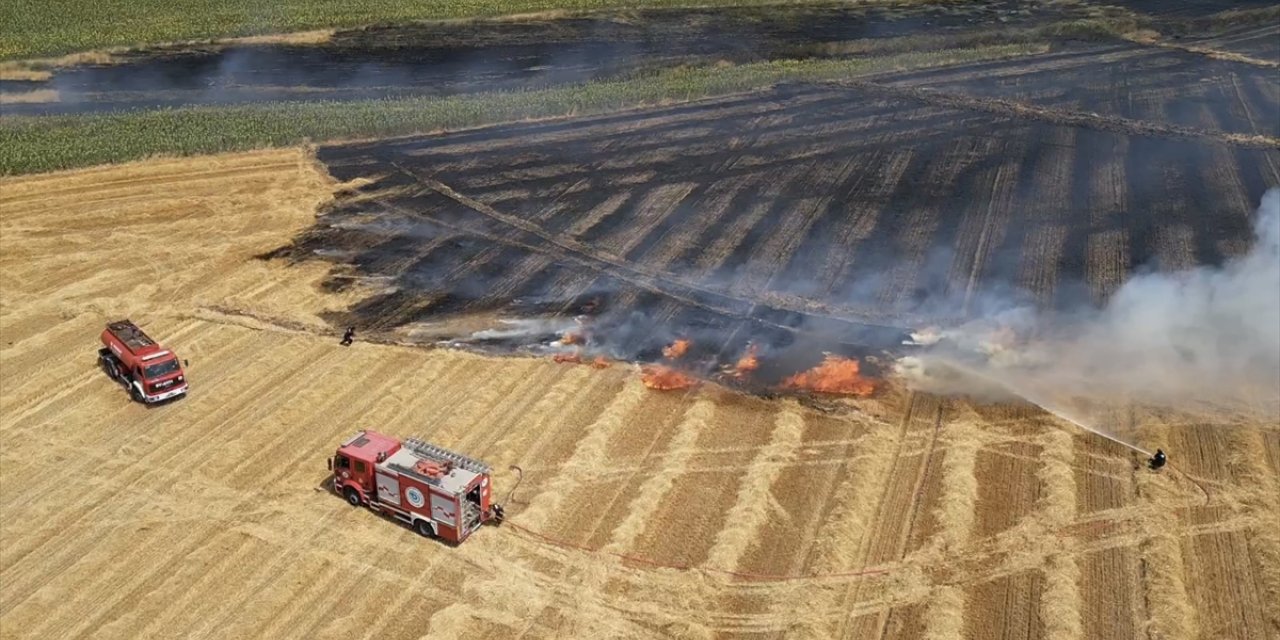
643 514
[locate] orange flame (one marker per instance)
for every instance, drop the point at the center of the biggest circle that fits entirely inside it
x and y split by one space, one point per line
665 378
571 337
835 375
600 362
676 350
747 363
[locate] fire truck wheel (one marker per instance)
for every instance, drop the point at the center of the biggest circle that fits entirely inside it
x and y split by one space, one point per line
137 395
424 529
353 496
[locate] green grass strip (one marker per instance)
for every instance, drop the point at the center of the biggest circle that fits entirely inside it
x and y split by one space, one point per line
45 143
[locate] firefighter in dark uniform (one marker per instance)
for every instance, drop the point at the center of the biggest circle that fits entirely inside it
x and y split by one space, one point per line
1158 460
348 336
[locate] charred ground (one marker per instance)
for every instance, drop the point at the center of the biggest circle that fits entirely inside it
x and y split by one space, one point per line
809 218
453 58
436 59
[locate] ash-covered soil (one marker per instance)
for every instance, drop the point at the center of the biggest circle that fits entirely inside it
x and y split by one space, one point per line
801 220
465 57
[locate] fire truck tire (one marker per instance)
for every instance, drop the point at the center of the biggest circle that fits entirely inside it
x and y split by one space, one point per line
353 496
137 395
424 529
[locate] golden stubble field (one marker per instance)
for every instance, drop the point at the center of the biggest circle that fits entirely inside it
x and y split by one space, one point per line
643 514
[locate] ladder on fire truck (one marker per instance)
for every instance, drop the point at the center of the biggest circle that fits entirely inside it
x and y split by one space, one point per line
439 453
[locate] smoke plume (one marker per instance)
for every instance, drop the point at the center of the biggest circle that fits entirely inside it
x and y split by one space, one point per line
1207 337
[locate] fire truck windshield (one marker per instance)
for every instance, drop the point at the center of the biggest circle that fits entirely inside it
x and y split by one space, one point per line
161 368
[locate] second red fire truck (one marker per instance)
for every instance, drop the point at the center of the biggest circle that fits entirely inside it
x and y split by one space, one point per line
441 494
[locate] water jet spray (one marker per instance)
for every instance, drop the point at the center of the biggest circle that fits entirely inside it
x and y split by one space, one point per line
1044 403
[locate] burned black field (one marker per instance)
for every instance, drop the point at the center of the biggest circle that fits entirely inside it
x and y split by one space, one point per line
1262 43
438 59
449 59
802 219
1166 86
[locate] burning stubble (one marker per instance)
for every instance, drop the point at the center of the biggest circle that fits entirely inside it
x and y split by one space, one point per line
1207 337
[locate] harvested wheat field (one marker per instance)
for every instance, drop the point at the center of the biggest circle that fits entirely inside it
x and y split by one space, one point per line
643 514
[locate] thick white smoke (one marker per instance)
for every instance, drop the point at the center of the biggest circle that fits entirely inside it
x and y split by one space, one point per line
1203 337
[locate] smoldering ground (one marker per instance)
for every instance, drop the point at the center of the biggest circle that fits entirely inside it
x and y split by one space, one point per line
800 220
1205 337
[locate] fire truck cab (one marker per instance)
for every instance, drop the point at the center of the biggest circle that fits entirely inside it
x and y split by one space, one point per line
439 493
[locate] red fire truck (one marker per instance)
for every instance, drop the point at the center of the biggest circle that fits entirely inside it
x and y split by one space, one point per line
150 372
441 494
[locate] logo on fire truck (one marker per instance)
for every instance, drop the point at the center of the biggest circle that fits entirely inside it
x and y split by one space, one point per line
414 496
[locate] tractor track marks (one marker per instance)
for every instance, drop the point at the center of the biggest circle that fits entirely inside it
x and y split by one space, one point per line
819 155
639 275
1063 116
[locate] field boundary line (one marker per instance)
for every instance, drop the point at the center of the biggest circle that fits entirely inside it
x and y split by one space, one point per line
1062 117
1210 52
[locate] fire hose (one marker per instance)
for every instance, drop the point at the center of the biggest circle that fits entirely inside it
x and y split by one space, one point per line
519 478
499 513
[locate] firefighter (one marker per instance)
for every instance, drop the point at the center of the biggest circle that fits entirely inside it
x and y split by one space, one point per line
348 336
1158 460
